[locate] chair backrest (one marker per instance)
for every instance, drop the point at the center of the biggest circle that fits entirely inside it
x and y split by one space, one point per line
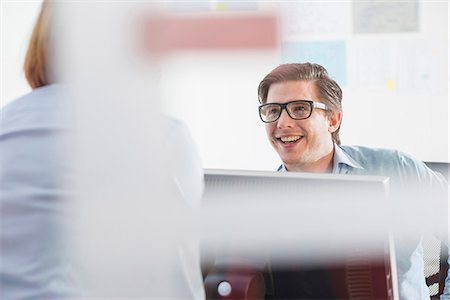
436 265
443 168
436 252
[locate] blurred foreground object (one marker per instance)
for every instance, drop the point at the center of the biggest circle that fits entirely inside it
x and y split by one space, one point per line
139 178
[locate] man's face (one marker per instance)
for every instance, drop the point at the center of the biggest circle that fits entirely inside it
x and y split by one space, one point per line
303 145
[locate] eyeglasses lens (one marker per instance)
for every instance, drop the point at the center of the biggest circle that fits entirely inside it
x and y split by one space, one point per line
270 112
299 110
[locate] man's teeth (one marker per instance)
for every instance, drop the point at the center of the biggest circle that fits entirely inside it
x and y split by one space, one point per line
286 139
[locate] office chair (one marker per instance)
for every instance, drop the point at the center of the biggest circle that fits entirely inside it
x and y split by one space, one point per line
436 252
436 265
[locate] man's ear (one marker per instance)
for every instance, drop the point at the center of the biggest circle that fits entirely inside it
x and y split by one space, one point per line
334 121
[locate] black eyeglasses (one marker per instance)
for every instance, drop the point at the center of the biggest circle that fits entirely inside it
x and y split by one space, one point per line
297 110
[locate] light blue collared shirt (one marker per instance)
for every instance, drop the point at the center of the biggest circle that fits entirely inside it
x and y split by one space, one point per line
342 163
404 172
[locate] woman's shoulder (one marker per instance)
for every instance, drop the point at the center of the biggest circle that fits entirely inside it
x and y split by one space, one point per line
41 106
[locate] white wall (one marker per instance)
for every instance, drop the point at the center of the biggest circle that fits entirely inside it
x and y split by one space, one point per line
17 20
215 93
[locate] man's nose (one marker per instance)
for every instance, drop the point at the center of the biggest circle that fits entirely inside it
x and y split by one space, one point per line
285 120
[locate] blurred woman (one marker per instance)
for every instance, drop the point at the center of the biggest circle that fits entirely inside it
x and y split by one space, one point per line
34 171
37 171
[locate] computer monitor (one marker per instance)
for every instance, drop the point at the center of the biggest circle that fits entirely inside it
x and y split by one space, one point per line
278 202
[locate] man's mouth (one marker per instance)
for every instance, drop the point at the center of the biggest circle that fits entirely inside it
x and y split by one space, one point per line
289 139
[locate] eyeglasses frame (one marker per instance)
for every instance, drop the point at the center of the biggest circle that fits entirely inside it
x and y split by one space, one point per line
312 104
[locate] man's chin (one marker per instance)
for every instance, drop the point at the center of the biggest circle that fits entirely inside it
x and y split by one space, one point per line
291 162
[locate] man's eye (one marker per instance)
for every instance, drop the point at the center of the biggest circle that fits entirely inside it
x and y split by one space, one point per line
273 111
299 109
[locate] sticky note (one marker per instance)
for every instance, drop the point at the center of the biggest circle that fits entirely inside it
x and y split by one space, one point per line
390 84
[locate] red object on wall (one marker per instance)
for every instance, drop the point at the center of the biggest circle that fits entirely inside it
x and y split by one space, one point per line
175 32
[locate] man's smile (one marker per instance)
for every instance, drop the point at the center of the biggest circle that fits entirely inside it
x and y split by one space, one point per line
289 139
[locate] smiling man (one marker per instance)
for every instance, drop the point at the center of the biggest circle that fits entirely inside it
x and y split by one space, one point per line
302 111
306 145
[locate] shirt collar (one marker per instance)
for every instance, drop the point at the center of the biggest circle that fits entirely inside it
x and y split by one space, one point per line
342 162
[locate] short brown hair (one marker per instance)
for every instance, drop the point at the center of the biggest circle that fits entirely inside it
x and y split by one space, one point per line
36 60
328 90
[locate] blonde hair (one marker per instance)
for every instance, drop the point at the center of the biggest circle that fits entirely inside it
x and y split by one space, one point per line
36 61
